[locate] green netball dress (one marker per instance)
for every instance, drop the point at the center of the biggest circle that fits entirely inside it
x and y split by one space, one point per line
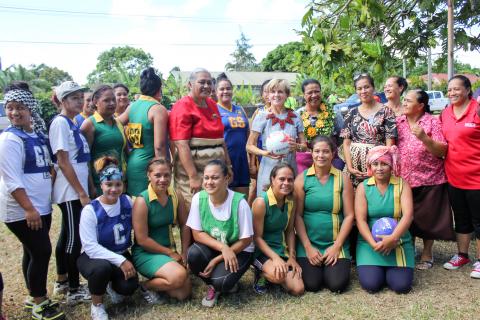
160 222
226 231
380 206
275 223
140 135
109 140
322 213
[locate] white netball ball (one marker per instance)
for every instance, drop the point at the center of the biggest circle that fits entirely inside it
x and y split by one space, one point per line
277 143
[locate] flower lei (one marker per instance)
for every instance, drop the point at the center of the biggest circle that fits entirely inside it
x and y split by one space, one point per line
323 125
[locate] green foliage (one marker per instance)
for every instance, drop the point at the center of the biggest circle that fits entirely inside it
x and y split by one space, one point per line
47 109
243 95
173 89
442 86
475 85
120 64
243 59
415 82
288 57
52 75
347 37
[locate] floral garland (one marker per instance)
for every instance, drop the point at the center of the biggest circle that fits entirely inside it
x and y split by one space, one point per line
323 125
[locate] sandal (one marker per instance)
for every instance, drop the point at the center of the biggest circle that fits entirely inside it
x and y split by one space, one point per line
425 265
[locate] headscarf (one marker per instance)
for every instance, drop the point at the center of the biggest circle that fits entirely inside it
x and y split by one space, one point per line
27 99
389 155
110 173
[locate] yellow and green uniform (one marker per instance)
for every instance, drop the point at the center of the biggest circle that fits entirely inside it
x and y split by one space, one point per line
275 223
381 206
322 213
226 231
160 222
109 140
140 135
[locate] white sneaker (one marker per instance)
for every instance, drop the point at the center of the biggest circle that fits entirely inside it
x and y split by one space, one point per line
152 297
210 298
98 312
115 297
476 270
80 295
60 288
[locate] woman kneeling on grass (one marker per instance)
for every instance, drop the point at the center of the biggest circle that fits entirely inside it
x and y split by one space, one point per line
274 217
391 260
221 222
323 221
105 231
155 212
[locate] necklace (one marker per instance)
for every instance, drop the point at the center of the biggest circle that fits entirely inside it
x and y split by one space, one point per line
290 116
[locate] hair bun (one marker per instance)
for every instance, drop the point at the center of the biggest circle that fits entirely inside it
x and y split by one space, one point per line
103 162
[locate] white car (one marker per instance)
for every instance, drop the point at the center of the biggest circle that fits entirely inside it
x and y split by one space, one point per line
437 101
4 123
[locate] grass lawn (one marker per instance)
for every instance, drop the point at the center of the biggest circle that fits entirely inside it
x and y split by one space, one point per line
437 294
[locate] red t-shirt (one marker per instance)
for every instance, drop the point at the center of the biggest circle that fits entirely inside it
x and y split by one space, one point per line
187 120
462 163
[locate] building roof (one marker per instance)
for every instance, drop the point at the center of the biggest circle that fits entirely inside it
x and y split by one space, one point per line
439 77
247 78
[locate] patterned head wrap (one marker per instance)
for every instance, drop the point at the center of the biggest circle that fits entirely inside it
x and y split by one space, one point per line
26 98
389 155
110 173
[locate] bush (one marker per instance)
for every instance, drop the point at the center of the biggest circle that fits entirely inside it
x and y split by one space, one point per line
46 107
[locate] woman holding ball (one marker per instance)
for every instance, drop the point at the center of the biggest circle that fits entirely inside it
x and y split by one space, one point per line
391 260
278 118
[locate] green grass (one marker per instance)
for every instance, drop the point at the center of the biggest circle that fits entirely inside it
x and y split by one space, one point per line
437 294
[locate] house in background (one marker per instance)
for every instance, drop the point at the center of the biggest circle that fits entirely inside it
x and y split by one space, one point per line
438 78
254 79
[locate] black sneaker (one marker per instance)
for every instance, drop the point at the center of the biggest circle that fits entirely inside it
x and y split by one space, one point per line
260 283
29 303
47 311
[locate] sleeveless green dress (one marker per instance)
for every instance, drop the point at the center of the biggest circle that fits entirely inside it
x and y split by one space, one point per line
160 222
226 231
140 135
379 206
275 223
323 215
108 140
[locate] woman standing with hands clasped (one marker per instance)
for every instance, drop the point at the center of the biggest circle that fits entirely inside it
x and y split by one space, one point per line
273 222
324 219
221 222
25 189
105 230
70 190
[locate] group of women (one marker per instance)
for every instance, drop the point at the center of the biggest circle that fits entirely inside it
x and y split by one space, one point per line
106 164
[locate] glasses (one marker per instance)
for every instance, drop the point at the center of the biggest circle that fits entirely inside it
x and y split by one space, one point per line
360 75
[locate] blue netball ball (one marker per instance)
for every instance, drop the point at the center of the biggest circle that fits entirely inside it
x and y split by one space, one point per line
383 227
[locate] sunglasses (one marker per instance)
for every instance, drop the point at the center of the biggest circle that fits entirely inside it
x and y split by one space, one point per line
360 75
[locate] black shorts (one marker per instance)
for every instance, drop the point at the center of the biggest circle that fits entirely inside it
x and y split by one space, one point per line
260 260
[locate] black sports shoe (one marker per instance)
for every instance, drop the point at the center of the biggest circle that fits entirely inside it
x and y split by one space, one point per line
47 311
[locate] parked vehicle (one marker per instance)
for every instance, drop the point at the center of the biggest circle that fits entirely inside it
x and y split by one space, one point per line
4 123
437 100
354 101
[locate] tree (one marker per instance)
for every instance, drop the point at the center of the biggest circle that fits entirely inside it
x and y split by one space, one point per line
243 59
349 36
52 75
40 78
287 57
120 64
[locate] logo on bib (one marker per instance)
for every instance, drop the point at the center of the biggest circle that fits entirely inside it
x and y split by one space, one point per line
470 125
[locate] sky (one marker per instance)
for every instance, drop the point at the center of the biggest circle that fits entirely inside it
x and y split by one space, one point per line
183 33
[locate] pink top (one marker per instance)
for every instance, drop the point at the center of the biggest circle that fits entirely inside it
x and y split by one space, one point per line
417 165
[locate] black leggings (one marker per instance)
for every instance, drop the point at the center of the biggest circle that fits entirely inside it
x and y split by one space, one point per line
466 210
336 278
37 250
374 278
199 255
1 284
100 272
69 244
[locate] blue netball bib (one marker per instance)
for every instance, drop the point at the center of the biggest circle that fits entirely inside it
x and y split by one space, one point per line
114 233
83 154
37 153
